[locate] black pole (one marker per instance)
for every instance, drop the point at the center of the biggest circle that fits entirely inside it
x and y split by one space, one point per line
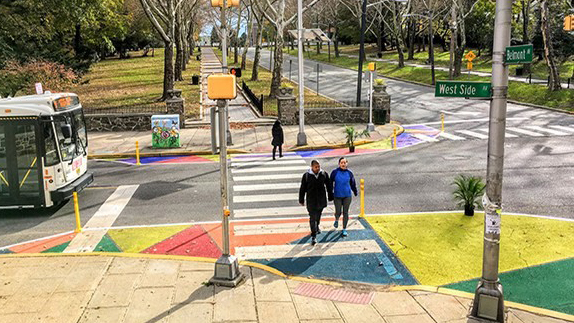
361 51
317 78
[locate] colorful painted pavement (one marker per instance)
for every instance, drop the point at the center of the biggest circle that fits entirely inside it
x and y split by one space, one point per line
412 135
437 249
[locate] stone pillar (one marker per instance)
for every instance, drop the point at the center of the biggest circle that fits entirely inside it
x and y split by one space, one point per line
381 101
287 106
176 105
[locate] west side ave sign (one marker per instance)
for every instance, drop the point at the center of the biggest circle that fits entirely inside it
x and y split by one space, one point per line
457 89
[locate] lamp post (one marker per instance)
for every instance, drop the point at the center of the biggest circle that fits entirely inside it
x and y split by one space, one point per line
362 45
301 136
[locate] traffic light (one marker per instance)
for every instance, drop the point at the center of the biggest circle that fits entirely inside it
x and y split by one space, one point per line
372 66
235 71
230 3
569 23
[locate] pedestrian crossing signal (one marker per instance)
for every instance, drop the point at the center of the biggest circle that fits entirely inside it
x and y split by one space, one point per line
569 23
235 71
229 3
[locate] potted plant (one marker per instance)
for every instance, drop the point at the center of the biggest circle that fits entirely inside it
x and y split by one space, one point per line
353 135
468 192
379 85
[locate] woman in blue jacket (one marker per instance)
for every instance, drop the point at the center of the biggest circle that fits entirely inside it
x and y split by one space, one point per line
343 187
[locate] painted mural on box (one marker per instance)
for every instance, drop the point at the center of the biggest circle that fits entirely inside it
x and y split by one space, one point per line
165 131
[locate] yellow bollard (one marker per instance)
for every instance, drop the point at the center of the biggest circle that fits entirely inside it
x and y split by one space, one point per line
77 211
395 138
442 122
362 214
138 153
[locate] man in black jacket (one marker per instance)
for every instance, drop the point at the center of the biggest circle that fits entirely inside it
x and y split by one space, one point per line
316 185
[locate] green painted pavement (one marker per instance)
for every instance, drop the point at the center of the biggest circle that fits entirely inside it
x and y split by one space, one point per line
107 245
58 248
549 286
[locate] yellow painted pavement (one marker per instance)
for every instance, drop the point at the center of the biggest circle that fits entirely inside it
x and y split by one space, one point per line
443 248
136 240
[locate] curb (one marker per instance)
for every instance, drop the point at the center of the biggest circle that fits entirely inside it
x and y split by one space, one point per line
425 288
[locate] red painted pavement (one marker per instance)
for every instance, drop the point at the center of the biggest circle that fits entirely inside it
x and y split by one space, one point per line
184 159
194 242
42 245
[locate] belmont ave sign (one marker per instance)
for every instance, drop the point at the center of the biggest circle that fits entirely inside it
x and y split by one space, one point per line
463 89
519 54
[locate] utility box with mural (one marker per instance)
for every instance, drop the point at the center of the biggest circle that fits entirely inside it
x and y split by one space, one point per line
165 131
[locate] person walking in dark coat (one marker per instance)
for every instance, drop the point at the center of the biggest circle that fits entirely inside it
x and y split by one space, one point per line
277 141
344 186
316 185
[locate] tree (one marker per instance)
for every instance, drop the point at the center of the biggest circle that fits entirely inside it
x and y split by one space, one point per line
276 16
553 74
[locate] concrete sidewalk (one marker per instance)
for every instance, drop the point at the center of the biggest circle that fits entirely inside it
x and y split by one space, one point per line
147 289
246 138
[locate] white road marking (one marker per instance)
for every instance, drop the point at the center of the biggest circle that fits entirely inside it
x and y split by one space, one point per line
283 228
269 163
563 128
550 131
301 168
525 132
424 138
267 177
507 135
473 134
86 241
265 187
461 121
265 198
277 211
461 113
307 250
263 159
450 136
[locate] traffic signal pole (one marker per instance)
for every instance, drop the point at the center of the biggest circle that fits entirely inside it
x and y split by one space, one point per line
489 300
226 267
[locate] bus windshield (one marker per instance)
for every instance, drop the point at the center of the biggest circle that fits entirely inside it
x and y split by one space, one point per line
75 145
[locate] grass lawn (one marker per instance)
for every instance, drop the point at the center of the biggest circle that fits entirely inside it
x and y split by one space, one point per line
262 86
482 63
134 82
523 92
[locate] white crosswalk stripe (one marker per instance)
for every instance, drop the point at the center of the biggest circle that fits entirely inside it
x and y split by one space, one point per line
563 128
550 131
265 188
451 136
306 250
507 135
424 137
525 132
473 134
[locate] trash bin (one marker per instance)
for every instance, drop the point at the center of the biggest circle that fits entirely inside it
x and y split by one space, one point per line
519 71
195 80
379 116
165 131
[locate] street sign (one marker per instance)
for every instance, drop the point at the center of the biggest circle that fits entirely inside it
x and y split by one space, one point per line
519 54
457 89
469 66
470 56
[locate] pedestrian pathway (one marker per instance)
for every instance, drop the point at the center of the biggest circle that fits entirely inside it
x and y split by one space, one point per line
511 132
118 289
239 109
523 79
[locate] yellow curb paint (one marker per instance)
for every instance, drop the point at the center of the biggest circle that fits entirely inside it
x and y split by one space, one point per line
314 281
263 267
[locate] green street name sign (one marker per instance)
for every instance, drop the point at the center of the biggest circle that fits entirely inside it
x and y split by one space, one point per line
519 54
457 89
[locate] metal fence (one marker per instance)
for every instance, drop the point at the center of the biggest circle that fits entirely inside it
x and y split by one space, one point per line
257 101
336 104
133 109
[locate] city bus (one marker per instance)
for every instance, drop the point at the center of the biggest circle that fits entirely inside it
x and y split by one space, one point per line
43 150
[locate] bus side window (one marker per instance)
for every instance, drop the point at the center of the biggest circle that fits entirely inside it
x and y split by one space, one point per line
50 145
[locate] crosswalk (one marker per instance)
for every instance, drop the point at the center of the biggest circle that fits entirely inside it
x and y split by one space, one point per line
266 188
511 132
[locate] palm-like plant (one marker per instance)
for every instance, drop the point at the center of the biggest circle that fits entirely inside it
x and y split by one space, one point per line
353 135
468 191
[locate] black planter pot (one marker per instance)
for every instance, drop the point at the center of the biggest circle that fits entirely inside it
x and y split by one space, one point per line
380 55
469 210
352 149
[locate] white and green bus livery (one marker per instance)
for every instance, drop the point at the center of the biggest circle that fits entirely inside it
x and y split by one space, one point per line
43 150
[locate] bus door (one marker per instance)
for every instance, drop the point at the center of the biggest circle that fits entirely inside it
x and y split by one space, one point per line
20 163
